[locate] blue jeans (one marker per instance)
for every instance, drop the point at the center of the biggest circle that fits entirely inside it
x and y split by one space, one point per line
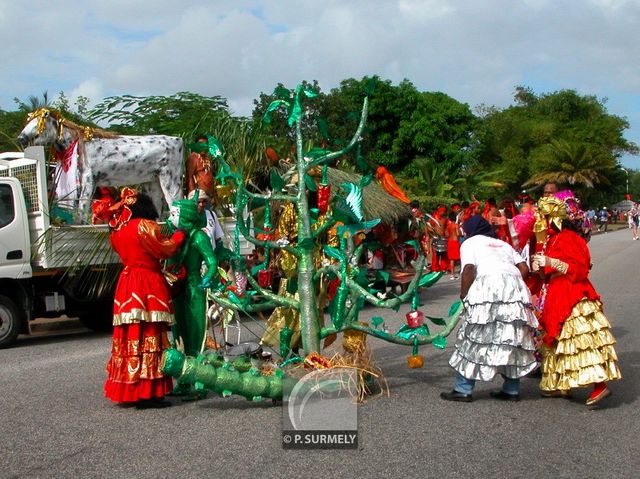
465 386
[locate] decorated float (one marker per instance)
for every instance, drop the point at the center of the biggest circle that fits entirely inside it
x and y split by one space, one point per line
310 274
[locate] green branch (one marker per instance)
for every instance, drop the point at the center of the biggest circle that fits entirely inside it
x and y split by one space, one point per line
389 303
356 137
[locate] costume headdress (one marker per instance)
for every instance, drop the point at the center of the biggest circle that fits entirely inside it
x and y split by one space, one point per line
552 210
117 214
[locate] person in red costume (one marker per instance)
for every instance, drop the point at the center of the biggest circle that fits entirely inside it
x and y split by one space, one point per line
578 342
142 307
438 224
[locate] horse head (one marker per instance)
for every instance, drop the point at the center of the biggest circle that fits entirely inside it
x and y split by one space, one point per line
44 127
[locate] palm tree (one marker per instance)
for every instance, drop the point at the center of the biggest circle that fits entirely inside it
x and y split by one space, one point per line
573 163
478 183
433 179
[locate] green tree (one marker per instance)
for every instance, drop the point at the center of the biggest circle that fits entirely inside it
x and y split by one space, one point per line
11 123
519 139
439 128
182 114
572 163
277 133
389 104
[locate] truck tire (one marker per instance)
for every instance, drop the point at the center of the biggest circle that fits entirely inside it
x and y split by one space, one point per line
10 321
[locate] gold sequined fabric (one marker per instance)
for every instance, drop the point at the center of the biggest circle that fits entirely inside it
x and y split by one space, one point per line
133 359
584 353
280 318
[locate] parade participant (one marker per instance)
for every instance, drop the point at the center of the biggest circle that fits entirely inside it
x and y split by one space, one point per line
634 219
212 228
142 310
550 189
438 224
421 230
496 335
453 243
603 219
471 210
199 172
490 211
200 168
190 304
579 348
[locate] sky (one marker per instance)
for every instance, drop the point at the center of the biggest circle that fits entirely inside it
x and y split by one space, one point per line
475 51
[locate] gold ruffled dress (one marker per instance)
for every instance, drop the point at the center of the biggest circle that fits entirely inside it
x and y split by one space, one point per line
584 353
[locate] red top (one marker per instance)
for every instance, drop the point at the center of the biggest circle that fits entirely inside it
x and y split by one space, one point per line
564 291
139 243
142 293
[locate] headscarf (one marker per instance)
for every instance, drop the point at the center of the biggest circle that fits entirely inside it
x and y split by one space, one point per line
477 225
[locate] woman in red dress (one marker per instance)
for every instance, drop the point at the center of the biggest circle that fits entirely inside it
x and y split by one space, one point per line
579 348
438 225
453 243
142 309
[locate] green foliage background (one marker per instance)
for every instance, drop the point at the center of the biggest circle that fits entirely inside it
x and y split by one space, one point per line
436 146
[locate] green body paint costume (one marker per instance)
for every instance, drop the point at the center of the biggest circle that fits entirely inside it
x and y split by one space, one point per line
190 305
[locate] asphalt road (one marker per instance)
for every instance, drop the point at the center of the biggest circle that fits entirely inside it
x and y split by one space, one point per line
55 422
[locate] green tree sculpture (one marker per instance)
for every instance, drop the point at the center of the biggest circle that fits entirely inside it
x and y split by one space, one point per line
346 209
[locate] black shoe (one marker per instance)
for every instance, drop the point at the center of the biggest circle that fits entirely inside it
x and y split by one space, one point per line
456 396
504 396
535 374
153 403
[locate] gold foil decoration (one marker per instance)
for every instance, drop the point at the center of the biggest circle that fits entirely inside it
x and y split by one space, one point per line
40 114
87 133
559 266
550 210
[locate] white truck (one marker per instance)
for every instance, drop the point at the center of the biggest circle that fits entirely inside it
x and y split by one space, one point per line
46 270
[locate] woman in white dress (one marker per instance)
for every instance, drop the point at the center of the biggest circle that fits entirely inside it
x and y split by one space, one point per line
496 335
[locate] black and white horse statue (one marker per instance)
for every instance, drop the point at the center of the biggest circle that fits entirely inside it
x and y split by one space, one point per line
108 159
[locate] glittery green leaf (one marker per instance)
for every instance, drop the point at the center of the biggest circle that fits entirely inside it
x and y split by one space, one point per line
277 183
439 342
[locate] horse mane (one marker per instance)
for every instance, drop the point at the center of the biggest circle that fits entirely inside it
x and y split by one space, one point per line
79 131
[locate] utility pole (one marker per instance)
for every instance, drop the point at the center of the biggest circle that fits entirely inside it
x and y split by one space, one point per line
623 169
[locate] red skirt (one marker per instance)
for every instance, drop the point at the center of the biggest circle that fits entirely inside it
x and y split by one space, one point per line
439 261
133 370
453 250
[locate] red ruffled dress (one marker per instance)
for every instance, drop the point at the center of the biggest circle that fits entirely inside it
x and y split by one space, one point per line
142 313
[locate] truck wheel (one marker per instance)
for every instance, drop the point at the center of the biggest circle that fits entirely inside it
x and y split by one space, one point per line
9 321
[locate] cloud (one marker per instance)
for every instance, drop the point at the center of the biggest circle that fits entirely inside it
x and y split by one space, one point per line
476 52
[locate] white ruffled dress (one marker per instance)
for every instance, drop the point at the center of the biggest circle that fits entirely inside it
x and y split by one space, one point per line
498 324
